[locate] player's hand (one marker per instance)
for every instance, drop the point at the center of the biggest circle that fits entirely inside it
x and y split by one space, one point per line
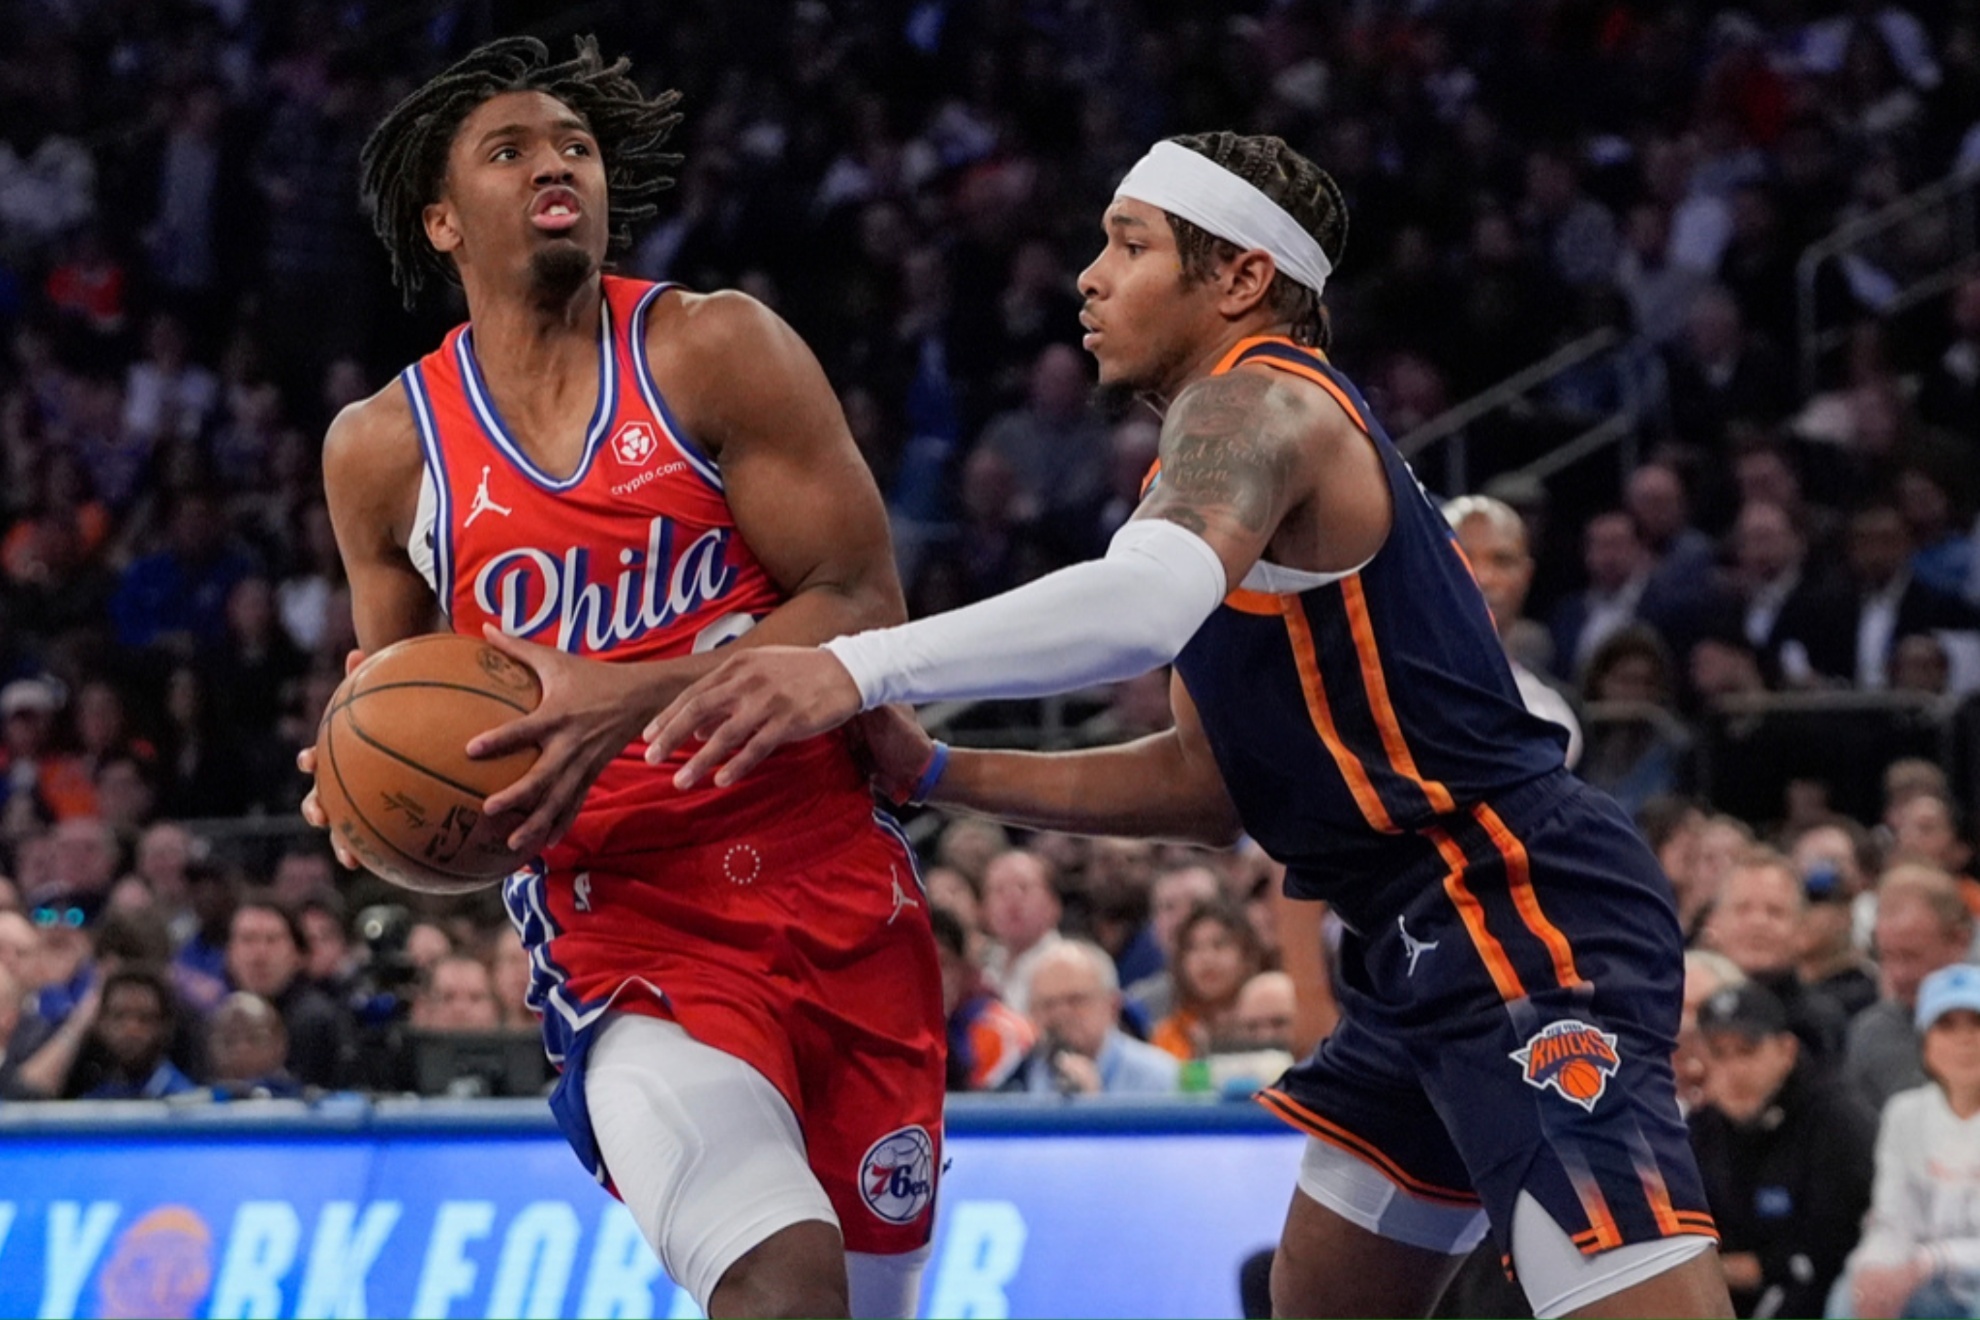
895 750
754 703
586 717
312 810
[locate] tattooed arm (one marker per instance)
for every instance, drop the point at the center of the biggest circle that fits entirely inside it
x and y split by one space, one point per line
1234 452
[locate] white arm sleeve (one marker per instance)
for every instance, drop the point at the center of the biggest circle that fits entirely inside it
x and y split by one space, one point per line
1098 622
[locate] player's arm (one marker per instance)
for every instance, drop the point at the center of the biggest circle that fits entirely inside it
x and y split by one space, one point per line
1164 786
805 504
371 476
1237 455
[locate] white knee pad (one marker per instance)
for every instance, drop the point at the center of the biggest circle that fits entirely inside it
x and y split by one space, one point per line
704 1151
1558 1278
885 1287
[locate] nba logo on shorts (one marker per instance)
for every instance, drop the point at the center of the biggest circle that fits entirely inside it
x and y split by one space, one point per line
634 444
897 1177
1572 1059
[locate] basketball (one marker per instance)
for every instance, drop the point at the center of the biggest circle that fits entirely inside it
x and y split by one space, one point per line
1580 1079
392 770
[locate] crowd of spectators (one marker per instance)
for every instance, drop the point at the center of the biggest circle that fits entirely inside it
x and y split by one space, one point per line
189 291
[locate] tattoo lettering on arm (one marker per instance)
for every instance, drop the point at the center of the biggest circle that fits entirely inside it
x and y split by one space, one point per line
1230 450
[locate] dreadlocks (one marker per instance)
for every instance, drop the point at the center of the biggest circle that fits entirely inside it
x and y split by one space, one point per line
1302 189
404 162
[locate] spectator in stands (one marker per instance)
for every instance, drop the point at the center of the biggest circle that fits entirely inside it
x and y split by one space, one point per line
1720 374
1838 851
1798 629
177 597
1888 602
40 783
1755 923
1644 751
968 845
1705 974
427 942
1173 895
84 857
988 1040
1681 556
1619 593
1925 828
1021 912
265 957
133 1029
1785 1157
1950 393
1934 494
1216 953
1263 1017
1920 1254
246 1050
330 962
508 964
1921 926
211 897
1053 446
1075 1004
1576 232
1826 956
65 923
456 994
1493 538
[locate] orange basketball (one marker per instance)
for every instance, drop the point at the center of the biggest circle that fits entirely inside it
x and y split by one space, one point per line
1580 1079
392 770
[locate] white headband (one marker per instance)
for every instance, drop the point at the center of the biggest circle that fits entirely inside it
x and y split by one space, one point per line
1191 185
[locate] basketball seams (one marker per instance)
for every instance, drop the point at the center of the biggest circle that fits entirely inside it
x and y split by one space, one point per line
430 683
378 836
350 715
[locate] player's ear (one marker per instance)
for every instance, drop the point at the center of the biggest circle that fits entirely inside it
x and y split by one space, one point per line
1247 278
442 228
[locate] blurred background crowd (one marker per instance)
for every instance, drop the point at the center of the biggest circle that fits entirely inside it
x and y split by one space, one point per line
1757 603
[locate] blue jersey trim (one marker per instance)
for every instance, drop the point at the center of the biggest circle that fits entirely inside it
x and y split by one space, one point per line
497 431
697 458
414 381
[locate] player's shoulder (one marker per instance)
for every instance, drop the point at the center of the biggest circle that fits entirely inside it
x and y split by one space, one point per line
374 437
723 320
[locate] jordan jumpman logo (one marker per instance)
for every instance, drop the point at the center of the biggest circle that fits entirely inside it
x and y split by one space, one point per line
901 899
482 503
1414 947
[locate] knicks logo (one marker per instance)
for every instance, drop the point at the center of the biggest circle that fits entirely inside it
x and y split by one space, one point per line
1571 1058
635 444
529 591
161 1266
897 1177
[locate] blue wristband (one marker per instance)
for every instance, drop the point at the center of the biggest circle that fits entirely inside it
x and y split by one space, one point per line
930 776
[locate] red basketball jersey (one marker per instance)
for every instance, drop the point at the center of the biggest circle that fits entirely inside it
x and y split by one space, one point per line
632 556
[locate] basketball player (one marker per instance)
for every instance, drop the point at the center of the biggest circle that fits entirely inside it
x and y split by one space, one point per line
1513 969
739 984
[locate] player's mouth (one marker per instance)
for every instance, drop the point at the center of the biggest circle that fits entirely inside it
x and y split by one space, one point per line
1093 332
556 210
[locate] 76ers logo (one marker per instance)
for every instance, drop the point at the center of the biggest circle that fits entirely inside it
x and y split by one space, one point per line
634 444
897 1177
1571 1058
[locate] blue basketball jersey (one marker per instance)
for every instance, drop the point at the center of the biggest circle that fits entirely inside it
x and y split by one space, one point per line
1350 718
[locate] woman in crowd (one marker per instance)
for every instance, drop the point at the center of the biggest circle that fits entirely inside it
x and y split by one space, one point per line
1920 1254
1217 951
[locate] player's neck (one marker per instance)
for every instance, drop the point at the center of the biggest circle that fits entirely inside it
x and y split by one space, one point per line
517 337
1203 363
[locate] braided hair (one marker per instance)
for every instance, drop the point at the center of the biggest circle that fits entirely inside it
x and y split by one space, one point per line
1302 189
404 161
